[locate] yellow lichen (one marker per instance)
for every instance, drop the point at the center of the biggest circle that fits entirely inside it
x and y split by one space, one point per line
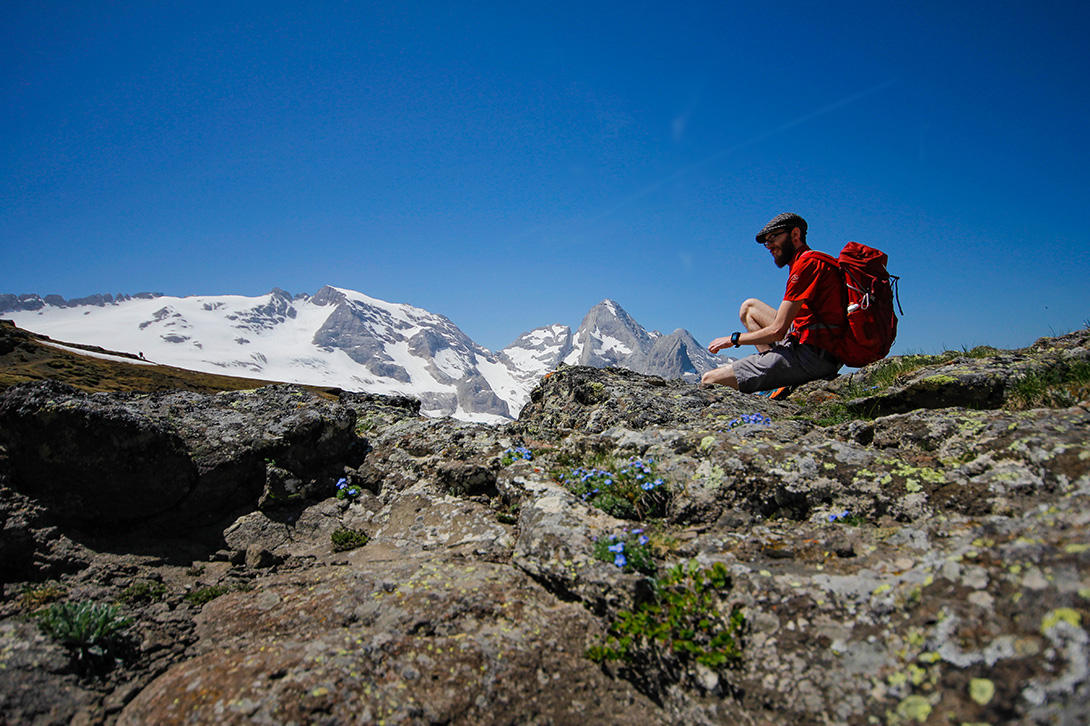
1066 615
915 708
981 690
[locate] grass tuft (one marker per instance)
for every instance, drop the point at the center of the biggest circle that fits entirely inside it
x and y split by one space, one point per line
1058 387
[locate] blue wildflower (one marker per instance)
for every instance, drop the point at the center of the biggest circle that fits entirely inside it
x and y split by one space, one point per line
644 539
620 560
619 547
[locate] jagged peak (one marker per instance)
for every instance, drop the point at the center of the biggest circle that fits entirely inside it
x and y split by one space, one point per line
328 295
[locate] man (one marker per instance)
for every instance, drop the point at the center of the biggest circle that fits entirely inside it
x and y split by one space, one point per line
795 341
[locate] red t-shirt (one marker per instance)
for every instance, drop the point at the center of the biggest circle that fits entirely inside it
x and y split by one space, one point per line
817 283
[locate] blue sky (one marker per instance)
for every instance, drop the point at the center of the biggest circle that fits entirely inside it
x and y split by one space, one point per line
510 165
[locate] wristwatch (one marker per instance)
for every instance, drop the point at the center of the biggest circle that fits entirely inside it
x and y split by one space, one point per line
734 339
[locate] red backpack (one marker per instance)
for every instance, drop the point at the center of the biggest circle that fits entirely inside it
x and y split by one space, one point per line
869 295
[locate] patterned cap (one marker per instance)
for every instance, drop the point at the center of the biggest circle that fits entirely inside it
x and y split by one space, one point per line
787 220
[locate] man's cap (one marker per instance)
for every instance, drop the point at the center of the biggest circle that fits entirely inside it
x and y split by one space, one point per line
787 220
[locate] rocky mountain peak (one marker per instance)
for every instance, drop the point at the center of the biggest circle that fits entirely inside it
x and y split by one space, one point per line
606 337
609 336
328 296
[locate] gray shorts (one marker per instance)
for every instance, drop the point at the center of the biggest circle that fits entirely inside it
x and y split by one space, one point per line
785 364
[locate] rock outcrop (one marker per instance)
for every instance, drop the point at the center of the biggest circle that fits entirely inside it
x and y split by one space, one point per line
900 551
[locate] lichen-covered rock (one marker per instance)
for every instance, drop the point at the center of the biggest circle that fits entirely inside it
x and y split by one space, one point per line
928 560
89 458
981 379
593 400
555 546
412 640
45 691
106 458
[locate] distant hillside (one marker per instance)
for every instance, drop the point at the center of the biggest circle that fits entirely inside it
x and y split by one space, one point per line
26 356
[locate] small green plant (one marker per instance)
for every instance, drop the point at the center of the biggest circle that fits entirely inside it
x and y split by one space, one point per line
368 423
633 492
685 621
35 596
195 570
92 630
344 539
630 551
142 592
506 512
205 595
518 453
348 491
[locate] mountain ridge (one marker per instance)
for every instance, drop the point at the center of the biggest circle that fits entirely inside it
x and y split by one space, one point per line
346 339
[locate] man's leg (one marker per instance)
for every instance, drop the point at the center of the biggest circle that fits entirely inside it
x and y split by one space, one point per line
723 376
755 315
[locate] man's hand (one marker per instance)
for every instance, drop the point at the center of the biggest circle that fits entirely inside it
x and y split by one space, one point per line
719 344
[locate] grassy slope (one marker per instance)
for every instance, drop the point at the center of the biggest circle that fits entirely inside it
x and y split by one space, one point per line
24 356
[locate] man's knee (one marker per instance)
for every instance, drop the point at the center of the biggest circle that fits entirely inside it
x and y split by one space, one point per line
744 310
750 310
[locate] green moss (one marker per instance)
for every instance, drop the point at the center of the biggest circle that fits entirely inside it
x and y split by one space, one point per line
344 539
206 594
938 381
143 591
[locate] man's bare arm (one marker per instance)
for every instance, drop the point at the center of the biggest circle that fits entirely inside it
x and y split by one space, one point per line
772 333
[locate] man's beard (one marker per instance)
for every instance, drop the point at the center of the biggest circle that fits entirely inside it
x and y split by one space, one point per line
786 253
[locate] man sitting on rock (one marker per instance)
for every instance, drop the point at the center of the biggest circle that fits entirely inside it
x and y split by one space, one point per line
794 342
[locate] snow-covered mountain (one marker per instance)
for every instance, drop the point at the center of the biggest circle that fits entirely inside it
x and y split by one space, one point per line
348 340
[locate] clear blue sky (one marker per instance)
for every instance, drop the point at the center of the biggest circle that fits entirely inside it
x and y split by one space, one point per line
510 165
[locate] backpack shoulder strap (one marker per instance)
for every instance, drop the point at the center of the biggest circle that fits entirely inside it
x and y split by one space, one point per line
821 256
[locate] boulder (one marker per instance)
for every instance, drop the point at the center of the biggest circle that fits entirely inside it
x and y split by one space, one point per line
180 458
